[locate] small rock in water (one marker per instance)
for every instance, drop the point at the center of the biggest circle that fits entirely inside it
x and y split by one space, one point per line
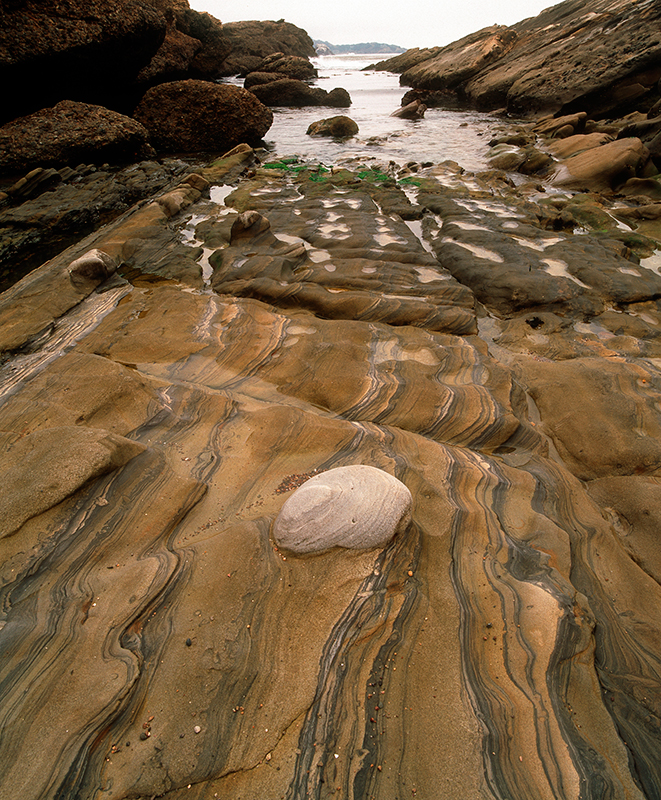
356 507
414 110
340 127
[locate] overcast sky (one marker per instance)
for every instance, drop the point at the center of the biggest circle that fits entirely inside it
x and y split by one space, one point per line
416 23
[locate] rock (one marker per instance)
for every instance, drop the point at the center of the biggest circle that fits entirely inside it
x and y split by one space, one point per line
58 212
357 507
44 467
71 132
84 51
414 110
573 145
189 116
172 61
340 127
290 92
257 78
606 167
566 59
292 66
253 41
434 99
561 127
91 269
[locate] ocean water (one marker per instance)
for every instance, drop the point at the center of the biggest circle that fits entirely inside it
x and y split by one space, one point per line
439 136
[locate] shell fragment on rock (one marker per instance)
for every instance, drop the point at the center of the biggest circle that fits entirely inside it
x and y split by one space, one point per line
357 507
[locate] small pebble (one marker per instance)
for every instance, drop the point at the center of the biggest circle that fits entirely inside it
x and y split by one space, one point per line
189 642
197 729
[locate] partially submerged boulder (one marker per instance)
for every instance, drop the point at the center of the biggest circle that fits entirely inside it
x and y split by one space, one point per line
70 133
190 116
414 110
290 92
340 127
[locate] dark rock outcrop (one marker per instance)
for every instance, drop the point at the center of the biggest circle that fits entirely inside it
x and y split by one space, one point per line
289 66
340 127
252 41
78 50
189 116
290 92
600 57
71 133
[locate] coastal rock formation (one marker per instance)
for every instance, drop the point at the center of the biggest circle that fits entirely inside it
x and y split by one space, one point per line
71 133
267 324
356 507
292 66
193 116
291 92
251 42
340 127
414 110
601 57
79 50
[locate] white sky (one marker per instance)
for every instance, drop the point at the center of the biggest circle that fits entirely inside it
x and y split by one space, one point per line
416 23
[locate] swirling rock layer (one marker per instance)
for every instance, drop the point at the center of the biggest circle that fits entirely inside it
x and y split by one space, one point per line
154 641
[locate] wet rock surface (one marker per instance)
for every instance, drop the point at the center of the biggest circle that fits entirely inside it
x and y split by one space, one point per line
492 345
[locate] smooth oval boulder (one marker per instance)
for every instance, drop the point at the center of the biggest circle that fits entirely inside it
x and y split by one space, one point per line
191 116
340 127
71 132
356 507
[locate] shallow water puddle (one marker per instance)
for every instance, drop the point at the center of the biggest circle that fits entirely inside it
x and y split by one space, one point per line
560 269
476 250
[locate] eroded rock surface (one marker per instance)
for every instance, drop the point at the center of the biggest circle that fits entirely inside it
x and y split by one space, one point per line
463 335
601 57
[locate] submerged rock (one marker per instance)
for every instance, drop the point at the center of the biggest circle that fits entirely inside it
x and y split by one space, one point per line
356 507
192 116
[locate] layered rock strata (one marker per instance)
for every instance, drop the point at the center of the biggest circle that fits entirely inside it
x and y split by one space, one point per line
601 57
156 639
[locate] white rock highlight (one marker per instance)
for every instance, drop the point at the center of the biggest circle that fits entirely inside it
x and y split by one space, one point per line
356 507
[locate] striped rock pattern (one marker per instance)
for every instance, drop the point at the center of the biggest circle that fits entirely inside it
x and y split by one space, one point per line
156 641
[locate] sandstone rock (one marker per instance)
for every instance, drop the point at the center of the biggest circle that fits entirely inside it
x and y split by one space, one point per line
414 110
340 127
71 132
356 507
85 51
292 66
46 466
290 92
603 60
252 41
573 145
568 124
606 167
189 116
